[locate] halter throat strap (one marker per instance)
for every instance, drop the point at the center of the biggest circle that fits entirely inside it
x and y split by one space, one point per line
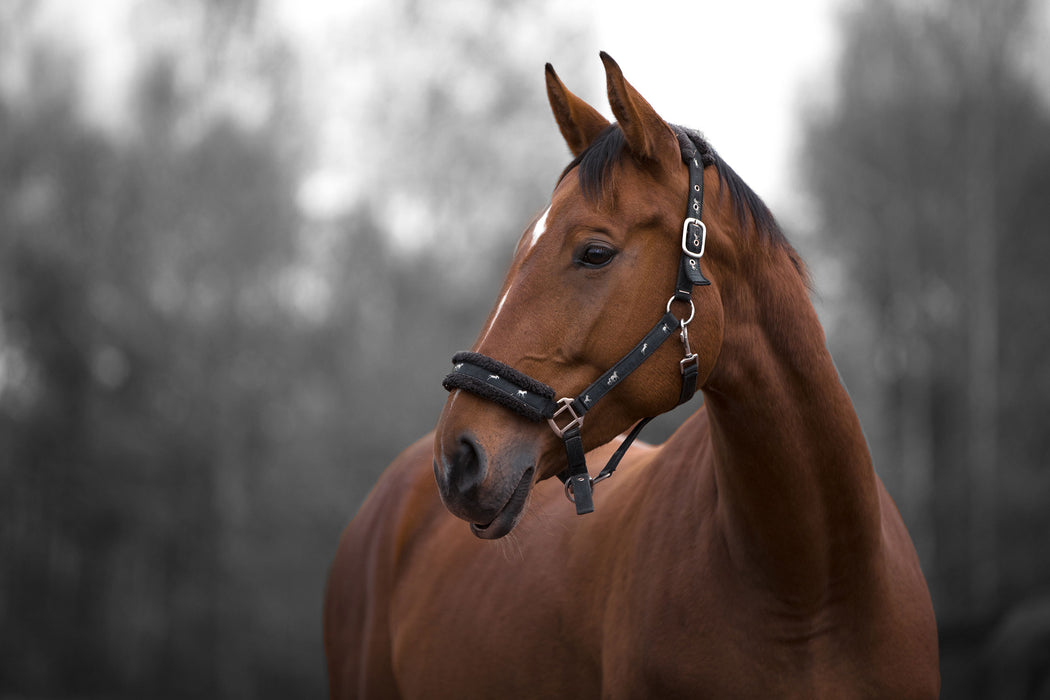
495 381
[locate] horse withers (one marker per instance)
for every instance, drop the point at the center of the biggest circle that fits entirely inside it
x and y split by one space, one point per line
753 554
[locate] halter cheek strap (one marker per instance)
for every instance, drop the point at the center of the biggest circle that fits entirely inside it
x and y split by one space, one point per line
497 382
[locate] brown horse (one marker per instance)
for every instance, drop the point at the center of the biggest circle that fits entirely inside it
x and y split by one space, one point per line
754 554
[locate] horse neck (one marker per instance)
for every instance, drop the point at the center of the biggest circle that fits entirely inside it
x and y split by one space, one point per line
795 481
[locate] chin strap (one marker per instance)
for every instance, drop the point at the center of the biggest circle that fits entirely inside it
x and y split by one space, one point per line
497 382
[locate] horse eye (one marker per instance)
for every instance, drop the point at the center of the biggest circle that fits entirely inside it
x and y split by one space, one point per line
595 255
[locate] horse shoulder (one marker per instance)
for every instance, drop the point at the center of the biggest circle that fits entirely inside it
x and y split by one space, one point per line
362 576
903 620
698 615
877 630
874 635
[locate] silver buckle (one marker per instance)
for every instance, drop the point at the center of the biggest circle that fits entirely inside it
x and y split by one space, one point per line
576 422
702 237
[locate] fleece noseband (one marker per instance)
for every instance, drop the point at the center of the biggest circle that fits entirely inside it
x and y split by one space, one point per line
493 380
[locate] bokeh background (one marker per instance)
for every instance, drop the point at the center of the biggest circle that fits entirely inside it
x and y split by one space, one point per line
240 240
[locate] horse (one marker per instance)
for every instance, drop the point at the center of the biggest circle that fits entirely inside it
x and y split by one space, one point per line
753 554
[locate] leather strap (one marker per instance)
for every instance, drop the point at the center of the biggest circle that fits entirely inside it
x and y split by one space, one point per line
690 371
578 483
694 233
663 330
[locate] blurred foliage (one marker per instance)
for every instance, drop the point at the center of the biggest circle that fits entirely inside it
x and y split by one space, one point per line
932 171
198 382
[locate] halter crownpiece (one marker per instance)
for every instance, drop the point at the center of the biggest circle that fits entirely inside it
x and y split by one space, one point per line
495 381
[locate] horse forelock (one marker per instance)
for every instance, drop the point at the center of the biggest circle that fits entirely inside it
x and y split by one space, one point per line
595 165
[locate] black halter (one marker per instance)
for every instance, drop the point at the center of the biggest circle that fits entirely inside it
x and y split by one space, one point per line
502 384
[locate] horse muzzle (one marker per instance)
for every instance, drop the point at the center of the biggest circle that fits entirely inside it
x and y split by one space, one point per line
488 493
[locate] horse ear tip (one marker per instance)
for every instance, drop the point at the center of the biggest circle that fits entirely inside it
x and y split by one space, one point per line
553 81
606 58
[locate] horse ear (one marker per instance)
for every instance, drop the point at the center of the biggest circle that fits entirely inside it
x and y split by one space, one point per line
648 135
579 122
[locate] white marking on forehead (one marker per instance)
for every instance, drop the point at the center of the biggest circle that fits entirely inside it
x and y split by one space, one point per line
539 228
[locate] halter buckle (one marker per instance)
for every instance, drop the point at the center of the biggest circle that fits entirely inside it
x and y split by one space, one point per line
699 237
575 422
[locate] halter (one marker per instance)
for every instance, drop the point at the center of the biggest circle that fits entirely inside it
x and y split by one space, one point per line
493 380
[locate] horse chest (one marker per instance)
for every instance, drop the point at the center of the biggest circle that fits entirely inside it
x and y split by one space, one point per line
509 643
550 622
539 617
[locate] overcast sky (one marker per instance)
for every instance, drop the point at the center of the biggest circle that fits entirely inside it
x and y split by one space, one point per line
755 61
742 72
738 71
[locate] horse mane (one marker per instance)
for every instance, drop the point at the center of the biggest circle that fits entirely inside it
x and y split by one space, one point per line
595 166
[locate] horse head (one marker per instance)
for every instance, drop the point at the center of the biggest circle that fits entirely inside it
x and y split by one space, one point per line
587 281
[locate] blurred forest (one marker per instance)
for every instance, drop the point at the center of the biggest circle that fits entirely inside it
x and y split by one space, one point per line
932 177
198 381
201 375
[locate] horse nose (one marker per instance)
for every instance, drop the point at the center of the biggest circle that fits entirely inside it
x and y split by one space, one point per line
465 469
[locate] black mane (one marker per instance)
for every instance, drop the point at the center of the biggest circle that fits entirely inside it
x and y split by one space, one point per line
596 163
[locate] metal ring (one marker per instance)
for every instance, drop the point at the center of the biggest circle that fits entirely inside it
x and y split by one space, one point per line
568 485
692 310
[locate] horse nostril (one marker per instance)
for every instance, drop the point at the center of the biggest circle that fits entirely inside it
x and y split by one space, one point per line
467 467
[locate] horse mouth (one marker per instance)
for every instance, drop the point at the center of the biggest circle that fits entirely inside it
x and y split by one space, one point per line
509 515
